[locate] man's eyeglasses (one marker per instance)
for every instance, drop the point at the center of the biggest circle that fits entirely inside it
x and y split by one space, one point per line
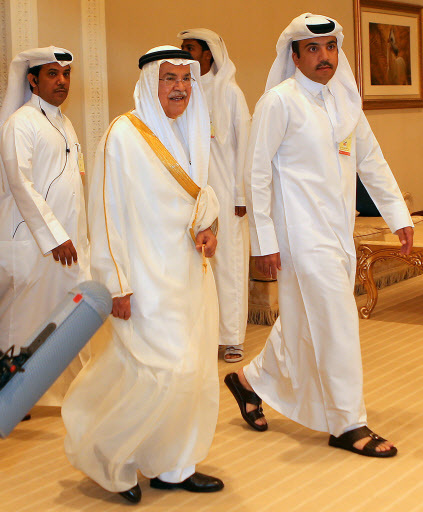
171 80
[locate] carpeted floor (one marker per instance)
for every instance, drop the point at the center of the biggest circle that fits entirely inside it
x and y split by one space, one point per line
288 468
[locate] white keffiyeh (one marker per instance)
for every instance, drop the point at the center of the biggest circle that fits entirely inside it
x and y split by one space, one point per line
18 91
342 85
193 124
224 75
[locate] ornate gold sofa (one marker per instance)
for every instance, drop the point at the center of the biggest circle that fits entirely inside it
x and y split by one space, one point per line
263 293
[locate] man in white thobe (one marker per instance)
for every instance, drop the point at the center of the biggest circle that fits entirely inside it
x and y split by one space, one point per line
43 233
230 124
148 400
309 137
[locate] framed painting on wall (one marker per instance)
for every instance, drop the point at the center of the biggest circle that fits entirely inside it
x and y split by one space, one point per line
388 49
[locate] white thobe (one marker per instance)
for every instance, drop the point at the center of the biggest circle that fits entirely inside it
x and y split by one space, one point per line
41 206
148 400
303 205
226 176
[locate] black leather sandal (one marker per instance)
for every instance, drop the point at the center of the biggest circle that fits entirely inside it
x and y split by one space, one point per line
347 440
244 396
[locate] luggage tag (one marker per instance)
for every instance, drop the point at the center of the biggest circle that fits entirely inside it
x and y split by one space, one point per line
345 146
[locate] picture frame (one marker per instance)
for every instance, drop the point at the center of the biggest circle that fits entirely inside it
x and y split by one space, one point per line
388 49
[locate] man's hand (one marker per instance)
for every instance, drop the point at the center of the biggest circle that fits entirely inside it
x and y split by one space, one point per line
65 252
269 265
206 238
405 236
122 307
240 211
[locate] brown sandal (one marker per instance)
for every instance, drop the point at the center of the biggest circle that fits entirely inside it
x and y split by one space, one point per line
347 439
243 397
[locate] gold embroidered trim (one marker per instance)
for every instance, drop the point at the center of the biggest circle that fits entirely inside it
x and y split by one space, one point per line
165 157
191 229
104 201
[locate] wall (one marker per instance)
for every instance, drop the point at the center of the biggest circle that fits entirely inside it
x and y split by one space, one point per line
59 25
250 29
400 136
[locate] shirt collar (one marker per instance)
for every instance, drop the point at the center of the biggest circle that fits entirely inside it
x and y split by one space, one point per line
314 88
51 110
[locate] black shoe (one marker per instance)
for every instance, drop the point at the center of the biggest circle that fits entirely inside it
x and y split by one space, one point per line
133 495
195 483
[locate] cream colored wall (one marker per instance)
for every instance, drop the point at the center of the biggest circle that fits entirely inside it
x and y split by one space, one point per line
400 136
250 29
59 24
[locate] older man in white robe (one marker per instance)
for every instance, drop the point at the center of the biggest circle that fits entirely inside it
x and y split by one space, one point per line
43 233
309 137
230 126
148 400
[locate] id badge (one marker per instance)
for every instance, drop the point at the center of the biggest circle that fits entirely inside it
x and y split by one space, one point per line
81 163
345 146
212 133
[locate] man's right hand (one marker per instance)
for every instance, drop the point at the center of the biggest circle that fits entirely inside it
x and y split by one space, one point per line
405 236
269 265
208 239
122 307
65 252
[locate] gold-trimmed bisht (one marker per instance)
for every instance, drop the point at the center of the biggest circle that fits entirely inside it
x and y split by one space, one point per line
174 168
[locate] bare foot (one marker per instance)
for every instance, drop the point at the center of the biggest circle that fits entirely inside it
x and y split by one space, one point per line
383 447
249 407
234 357
234 353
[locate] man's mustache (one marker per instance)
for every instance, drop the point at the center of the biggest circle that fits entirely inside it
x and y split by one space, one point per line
60 89
175 94
323 64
